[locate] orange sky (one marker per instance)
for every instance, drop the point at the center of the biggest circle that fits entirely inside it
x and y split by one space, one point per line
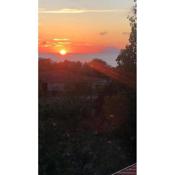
87 27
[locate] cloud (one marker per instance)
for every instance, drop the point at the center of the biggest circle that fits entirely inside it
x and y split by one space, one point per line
77 11
61 39
110 50
103 33
125 33
55 42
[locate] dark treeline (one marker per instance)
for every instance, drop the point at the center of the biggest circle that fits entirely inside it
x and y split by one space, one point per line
70 67
83 133
71 78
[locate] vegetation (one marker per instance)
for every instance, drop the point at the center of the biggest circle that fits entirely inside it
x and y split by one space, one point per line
73 140
127 58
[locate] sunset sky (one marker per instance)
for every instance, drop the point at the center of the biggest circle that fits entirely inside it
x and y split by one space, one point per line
83 29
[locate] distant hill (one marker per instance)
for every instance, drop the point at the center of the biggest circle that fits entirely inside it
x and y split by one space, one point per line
108 55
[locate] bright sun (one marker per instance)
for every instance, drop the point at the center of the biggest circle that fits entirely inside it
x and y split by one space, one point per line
63 52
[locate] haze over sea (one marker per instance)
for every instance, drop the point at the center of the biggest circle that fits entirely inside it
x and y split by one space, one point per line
109 56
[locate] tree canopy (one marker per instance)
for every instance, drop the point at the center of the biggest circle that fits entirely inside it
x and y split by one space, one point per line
127 58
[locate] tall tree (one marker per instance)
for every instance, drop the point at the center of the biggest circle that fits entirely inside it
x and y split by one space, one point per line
127 58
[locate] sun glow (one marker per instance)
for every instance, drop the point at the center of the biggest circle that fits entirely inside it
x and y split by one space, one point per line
63 52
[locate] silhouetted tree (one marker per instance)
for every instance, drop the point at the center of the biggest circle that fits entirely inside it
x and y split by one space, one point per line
127 59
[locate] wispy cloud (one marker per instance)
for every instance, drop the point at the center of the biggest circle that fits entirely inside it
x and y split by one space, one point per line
61 39
76 11
55 42
103 33
125 33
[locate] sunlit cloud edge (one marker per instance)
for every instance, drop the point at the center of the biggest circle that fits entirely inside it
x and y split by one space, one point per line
77 11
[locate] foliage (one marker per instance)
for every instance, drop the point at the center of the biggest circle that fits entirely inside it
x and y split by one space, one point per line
127 58
69 142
